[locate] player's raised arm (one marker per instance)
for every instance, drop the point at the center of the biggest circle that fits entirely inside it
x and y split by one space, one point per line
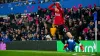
51 7
59 7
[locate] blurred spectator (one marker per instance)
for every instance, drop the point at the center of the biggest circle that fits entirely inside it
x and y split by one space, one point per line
98 35
38 37
1 36
33 37
6 39
48 38
91 25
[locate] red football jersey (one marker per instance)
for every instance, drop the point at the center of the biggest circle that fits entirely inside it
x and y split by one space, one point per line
58 20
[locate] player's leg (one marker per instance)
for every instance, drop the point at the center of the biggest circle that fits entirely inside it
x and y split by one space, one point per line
71 45
76 40
61 33
71 36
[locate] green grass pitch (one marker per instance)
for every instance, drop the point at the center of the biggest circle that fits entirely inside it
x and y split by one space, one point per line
43 53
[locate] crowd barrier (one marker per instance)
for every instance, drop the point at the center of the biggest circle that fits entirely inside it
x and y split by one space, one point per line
89 46
32 45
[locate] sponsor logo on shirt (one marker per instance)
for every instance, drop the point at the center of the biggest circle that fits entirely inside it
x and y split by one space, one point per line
57 14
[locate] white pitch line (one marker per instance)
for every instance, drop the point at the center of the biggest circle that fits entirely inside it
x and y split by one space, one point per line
92 54
35 51
74 54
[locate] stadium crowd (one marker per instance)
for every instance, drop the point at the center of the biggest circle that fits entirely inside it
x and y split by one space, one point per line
26 1
79 20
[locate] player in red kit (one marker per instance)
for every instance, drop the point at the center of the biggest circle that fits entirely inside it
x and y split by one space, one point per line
60 22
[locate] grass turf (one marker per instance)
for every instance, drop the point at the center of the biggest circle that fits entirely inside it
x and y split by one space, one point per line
43 53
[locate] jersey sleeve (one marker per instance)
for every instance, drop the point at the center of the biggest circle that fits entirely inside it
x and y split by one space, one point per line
51 7
60 9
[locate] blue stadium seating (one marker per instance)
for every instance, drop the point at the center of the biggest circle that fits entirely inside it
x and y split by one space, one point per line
13 8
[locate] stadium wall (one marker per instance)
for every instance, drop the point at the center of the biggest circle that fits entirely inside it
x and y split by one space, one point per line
12 8
89 46
32 45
